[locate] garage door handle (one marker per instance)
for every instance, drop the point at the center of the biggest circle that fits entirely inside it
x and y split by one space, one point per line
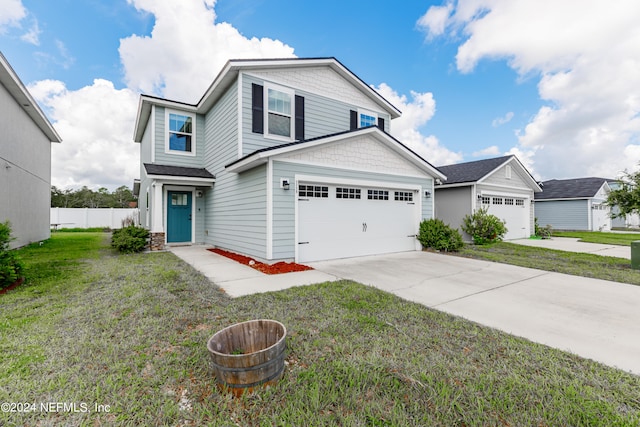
303 243
364 227
412 235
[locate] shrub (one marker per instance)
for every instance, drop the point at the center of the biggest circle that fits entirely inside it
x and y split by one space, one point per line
435 234
483 227
10 264
130 239
544 232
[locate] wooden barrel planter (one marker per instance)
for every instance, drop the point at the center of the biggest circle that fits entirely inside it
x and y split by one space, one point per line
248 355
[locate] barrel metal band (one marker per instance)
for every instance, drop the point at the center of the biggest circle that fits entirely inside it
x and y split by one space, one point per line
251 368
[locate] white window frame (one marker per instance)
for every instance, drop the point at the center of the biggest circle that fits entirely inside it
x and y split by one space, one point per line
292 95
167 149
369 113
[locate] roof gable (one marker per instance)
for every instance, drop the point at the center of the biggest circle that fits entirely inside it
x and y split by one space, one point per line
287 150
575 188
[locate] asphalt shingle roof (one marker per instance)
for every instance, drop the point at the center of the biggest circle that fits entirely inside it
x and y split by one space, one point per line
570 188
471 171
153 169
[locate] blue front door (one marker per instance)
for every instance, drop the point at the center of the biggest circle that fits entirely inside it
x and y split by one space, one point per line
179 216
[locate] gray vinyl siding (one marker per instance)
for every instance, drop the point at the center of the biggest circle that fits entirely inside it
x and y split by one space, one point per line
25 174
563 214
236 205
452 204
283 218
323 116
164 158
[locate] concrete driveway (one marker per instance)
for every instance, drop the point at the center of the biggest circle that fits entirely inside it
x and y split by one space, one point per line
596 319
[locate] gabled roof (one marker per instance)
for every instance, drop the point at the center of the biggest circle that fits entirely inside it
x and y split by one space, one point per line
575 188
472 171
229 74
262 156
476 171
10 80
181 171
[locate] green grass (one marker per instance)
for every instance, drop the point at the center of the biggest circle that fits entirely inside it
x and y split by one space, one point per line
578 264
623 239
130 332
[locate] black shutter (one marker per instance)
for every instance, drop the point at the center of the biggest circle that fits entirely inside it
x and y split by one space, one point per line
257 109
299 123
381 123
354 120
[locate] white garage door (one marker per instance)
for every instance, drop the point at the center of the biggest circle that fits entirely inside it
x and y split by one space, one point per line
513 211
336 221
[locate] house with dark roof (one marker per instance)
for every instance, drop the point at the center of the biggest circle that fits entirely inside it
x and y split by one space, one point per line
574 204
281 159
502 185
628 221
25 160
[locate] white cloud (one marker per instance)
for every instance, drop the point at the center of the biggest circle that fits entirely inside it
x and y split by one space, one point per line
587 58
12 13
179 61
499 121
96 126
32 36
489 151
415 114
434 22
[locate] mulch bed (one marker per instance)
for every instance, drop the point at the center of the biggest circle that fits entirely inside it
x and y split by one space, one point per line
12 286
277 268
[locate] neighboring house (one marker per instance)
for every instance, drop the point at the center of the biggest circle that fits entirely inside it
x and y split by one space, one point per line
25 160
628 221
281 159
502 185
574 204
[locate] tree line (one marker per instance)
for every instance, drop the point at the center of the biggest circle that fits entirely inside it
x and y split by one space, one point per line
85 197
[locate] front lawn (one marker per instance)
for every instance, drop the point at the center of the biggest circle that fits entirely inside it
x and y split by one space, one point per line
126 336
578 264
623 239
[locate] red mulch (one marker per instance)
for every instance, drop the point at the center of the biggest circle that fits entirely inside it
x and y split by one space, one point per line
12 286
277 268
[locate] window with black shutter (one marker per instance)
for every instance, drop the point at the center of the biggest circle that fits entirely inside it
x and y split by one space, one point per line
257 108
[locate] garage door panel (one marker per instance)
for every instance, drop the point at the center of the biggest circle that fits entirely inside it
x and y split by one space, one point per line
330 227
513 212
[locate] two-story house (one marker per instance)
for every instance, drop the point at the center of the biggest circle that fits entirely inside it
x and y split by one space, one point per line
281 159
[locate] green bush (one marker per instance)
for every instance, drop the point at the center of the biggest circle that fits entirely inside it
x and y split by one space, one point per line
544 232
483 227
10 264
130 239
435 234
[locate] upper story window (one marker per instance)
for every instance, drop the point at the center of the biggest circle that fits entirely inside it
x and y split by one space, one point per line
180 132
279 112
364 118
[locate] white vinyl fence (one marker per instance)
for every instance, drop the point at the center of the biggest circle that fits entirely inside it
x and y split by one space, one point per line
91 217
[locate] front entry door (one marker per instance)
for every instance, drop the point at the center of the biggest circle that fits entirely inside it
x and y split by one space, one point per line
179 216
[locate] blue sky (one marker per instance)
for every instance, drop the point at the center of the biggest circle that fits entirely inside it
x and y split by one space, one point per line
474 78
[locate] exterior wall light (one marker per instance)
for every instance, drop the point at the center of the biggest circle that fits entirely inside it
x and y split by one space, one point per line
427 194
284 183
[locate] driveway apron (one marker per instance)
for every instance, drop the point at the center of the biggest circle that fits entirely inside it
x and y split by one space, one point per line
596 319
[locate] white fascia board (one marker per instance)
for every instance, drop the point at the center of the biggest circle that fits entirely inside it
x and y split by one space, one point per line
459 184
10 80
183 180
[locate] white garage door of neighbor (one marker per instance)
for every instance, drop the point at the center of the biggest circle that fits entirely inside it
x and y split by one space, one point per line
336 221
513 211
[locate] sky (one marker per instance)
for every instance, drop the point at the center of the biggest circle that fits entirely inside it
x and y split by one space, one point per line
555 82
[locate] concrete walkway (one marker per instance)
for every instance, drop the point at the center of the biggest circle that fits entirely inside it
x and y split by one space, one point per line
596 319
237 279
571 244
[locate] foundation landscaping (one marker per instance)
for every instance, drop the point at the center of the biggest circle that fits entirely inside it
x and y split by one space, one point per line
96 337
